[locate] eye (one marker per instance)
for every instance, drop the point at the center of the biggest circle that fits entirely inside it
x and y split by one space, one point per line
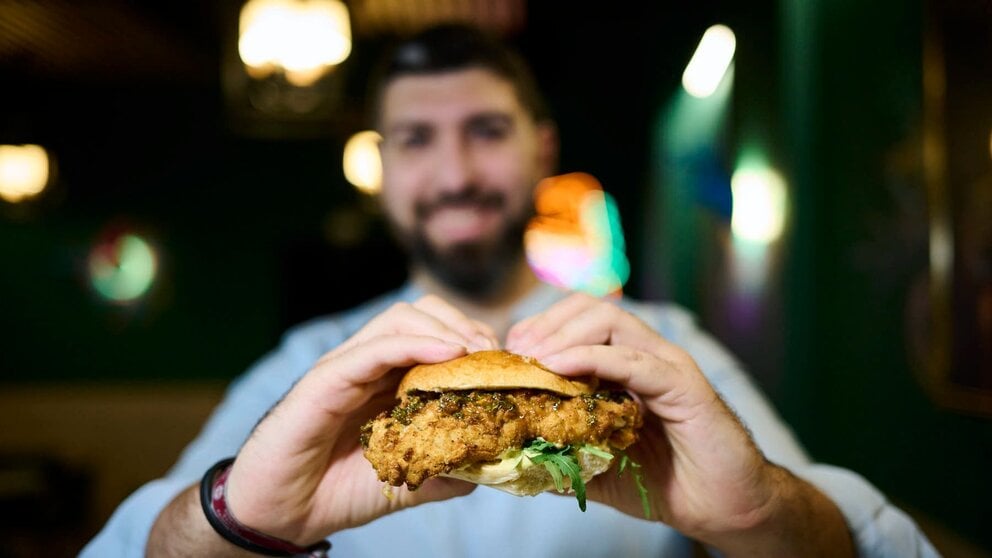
412 138
490 129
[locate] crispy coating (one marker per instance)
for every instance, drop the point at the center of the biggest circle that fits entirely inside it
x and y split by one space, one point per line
430 434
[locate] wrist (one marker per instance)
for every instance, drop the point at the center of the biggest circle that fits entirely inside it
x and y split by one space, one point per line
748 517
795 520
751 533
213 499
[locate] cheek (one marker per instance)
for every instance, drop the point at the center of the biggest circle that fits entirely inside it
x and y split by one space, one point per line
401 184
516 174
397 204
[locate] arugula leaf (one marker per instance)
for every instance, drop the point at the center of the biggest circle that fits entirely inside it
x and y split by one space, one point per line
596 451
559 462
563 461
642 490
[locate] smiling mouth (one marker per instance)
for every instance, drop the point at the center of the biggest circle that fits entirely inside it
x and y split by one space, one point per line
461 222
471 199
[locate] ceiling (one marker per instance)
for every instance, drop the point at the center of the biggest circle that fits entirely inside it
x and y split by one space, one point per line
120 40
66 58
136 101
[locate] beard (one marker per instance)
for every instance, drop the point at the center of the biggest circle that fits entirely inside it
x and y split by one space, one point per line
476 269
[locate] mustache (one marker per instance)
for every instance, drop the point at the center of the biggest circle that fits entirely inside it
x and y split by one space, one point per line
471 197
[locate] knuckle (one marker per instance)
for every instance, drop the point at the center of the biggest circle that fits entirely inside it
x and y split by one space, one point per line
399 307
428 300
611 309
584 298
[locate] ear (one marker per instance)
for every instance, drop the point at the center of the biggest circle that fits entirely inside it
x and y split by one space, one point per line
547 147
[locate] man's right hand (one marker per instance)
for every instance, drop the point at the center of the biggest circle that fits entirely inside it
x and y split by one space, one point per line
301 474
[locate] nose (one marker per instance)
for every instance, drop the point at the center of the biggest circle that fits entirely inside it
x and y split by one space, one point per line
454 168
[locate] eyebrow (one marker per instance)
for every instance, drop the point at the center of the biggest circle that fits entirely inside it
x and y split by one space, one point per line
491 117
485 117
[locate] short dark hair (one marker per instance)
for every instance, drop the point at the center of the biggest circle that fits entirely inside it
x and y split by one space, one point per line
456 46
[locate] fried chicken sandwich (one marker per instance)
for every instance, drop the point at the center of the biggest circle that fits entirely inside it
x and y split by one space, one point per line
502 420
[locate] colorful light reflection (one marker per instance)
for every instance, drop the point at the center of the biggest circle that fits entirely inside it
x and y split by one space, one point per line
576 241
122 267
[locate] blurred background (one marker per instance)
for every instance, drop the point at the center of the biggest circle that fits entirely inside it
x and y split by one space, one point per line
812 178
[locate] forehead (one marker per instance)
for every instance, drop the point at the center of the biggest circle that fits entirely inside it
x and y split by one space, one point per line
447 95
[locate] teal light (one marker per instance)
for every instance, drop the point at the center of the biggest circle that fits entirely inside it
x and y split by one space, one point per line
123 268
576 240
688 137
610 269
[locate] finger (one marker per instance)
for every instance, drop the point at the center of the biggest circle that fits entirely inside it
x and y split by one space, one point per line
433 490
607 324
592 325
657 381
341 384
488 332
479 335
674 390
402 318
319 407
534 329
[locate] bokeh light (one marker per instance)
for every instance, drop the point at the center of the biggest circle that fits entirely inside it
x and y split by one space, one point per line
576 240
122 266
304 38
362 165
23 171
759 204
709 63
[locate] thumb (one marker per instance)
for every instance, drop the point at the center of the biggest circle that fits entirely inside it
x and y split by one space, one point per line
435 489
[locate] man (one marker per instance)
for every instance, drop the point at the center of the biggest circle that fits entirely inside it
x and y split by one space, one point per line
466 138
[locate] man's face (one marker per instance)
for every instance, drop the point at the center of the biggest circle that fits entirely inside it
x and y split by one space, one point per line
460 160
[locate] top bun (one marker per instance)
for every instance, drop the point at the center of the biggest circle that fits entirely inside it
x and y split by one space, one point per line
491 370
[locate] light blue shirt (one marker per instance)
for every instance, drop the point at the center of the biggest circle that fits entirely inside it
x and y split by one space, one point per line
490 522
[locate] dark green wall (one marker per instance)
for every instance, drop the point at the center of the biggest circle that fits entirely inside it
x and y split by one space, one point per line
830 91
853 88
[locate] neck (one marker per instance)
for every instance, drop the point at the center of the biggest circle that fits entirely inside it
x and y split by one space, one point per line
493 310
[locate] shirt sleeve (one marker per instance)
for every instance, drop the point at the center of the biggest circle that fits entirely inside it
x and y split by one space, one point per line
879 528
245 403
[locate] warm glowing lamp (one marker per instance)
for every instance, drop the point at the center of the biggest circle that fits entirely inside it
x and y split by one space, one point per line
362 166
23 171
709 63
303 38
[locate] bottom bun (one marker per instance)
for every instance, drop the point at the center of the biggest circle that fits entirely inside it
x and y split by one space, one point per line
525 478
